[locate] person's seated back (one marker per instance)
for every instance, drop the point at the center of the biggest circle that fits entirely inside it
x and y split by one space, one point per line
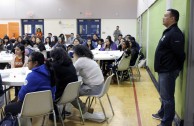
41 78
86 67
64 70
134 53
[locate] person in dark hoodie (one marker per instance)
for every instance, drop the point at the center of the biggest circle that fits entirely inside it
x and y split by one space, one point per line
45 80
64 70
8 44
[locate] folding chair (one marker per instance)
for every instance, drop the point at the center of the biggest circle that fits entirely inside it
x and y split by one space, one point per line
136 67
123 65
101 94
37 104
70 93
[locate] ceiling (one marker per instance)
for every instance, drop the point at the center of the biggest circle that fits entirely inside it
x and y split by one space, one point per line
68 9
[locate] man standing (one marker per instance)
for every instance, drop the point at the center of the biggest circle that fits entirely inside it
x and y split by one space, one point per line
169 60
116 33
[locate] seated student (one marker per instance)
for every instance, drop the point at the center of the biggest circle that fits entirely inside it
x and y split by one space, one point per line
2 48
59 43
54 40
32 40
132 39
41 78
76 42
70 50
108 45
19 60
47 43
28 47
89 44
100 43
126 47
134 53
81 40
40 45
64 70
1 93
95 40
8 44
18 41
118 41
120 44
90 72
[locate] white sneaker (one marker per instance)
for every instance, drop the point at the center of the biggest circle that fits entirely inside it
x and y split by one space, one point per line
98 117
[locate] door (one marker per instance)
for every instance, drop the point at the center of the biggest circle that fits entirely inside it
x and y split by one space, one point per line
30 26
87 27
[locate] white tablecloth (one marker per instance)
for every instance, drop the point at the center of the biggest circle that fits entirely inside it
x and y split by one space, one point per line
106 55
5 57
14 76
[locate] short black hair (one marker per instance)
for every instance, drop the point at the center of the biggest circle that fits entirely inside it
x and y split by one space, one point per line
6 37
121 35
83 51
37 56
174 13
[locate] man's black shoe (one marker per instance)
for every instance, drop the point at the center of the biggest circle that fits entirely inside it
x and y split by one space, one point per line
156 116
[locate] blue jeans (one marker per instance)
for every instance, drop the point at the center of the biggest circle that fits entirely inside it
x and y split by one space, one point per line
166 90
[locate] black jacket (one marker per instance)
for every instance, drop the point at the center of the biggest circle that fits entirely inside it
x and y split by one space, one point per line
169 55
65 73
9 45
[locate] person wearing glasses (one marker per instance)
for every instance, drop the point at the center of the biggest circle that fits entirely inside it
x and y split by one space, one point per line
41 78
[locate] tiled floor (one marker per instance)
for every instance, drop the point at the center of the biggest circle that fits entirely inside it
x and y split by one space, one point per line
125 105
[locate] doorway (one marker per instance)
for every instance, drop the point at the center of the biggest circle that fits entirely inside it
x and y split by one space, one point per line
87 27
30 26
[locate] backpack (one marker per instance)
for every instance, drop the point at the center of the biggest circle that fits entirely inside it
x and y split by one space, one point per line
9 120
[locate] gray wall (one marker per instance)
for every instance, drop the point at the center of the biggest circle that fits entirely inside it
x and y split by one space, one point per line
68 9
